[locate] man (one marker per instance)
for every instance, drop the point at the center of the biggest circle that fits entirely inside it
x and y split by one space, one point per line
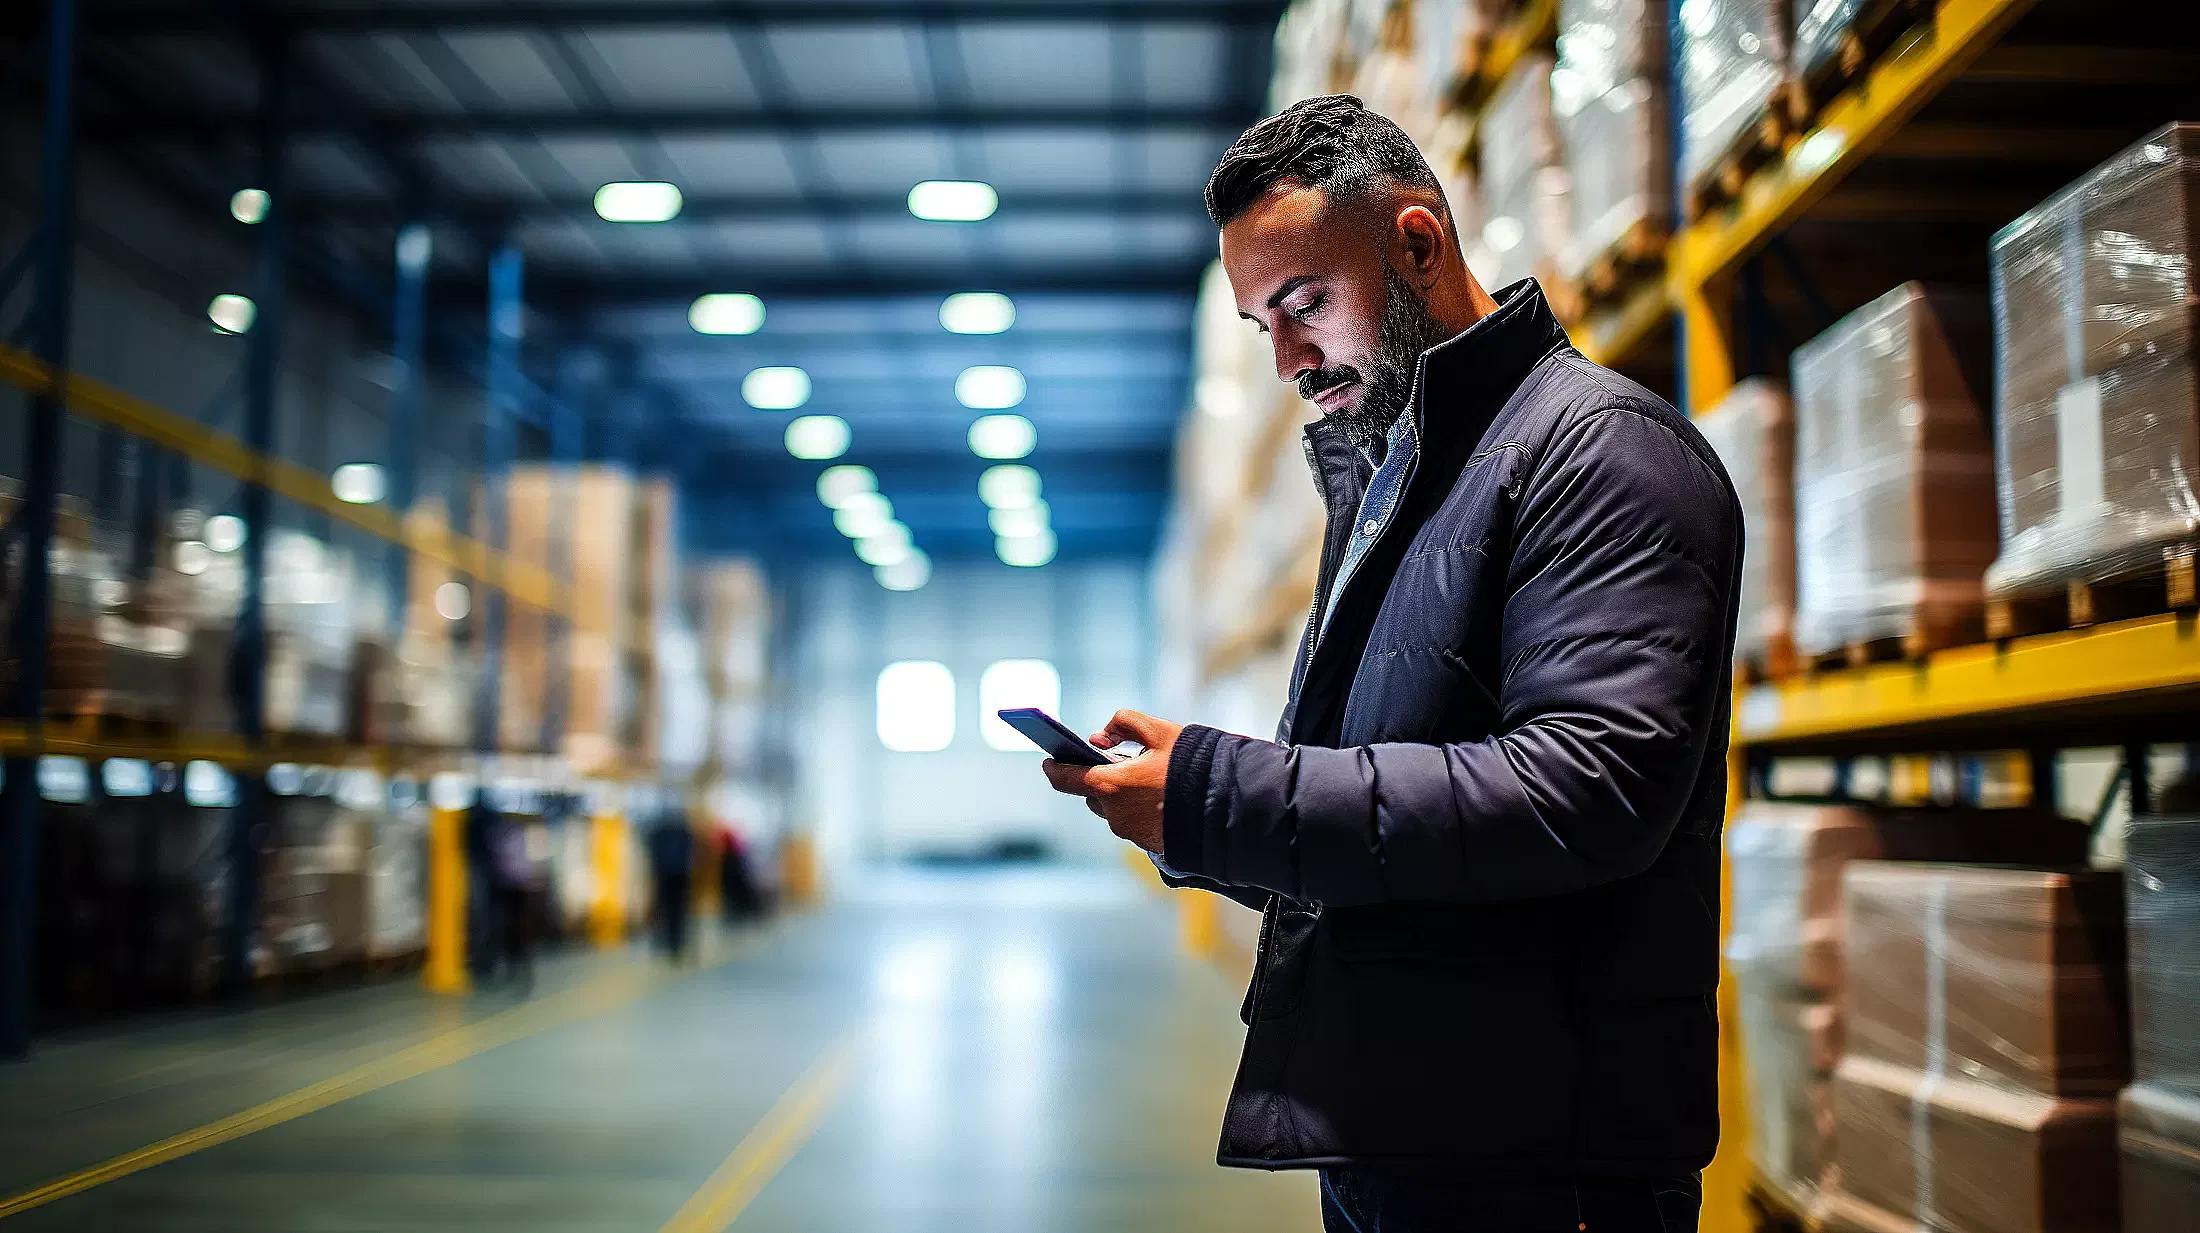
1486 838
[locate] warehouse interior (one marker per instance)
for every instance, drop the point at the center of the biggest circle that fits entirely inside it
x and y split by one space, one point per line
517 517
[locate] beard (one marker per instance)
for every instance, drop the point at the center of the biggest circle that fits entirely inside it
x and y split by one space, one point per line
1406 331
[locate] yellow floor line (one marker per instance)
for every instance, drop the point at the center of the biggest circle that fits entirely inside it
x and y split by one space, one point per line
770 1145
607 992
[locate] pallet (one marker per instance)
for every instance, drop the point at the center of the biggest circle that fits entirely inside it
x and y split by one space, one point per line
1639 251
1877 27
2167 587
1776 662
92 717
1922 640
1759 143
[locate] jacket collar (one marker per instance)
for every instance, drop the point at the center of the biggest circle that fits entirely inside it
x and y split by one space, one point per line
1471 374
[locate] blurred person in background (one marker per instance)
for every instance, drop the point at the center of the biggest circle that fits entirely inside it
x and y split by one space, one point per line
672 872
737 894
510 874
1486 838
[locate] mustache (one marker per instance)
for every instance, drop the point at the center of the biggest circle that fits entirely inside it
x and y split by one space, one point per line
1313 383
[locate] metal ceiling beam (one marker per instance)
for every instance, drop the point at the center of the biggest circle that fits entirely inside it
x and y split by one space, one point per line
563 291
399 17
687 121
712 209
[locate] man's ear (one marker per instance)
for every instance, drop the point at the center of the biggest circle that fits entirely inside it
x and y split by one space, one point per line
1421 244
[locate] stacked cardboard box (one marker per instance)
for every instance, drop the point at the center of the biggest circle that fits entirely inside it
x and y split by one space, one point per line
1734 56
535 531
1785 948
601 694
1753 429
2159 1115
1531 219
1609 95
2095 318
1894 491
313 880
1985 1037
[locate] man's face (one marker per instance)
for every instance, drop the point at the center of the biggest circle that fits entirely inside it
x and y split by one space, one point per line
1346 328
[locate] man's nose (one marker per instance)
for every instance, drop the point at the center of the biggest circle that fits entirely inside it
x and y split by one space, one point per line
1295 359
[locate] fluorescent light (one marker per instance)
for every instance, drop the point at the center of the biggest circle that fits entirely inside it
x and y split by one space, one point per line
726 312
816 437
1020 522
1002 436
864 513
776 389
360 483
890 546
232 314
953 201
1025 551
838 484
249 205
989 387
907 574
453 601
977 312
638 201
1008 486
225 532
192 558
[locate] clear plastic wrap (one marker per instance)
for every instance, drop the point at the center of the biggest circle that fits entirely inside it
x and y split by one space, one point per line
2095 316
1530 200
1894 490
1985 1037
2159 1130
1753 430
1609 98
1733 56
2162 883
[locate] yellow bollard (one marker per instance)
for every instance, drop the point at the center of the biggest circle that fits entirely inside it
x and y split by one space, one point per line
444 971
607 856
1199 923
798 870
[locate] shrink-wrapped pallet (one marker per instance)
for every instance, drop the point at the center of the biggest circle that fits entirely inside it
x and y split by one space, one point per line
1524 178
1984 1030
1784 947
1733 58
1753 430
1894 491
1608 95
2159 1114
2094 312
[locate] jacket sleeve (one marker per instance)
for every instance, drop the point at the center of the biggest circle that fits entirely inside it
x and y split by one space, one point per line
1615 633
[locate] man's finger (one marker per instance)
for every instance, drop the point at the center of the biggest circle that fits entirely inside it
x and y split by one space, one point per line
1094 806
1134 726
1066 778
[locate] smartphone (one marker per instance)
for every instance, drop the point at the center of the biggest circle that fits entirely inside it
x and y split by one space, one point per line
1054 736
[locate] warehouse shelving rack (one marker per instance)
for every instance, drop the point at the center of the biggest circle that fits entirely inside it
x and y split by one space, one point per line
1978 112
54 393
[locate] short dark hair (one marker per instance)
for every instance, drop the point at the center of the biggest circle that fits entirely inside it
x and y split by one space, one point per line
1331 142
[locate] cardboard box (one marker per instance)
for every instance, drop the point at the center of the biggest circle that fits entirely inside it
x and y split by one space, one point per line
1951 1153
1753 430
1894 489
2096 318
2159 1133
2162 889
2008 976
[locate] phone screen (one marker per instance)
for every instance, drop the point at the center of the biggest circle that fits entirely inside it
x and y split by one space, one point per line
1053 736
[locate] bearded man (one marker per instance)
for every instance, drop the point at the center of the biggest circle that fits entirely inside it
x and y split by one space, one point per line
1486 836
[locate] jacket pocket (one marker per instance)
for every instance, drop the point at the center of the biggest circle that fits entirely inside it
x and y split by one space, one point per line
1279 973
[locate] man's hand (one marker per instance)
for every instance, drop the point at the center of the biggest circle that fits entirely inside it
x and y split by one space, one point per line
1128 794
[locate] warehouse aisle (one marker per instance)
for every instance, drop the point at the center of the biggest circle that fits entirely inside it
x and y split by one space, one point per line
942 1051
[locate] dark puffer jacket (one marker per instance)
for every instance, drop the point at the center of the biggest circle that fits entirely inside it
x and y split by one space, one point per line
1488 832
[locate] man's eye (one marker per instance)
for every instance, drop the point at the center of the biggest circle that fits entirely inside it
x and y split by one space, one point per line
1308 309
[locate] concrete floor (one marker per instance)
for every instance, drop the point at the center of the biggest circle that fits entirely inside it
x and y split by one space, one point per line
1020 1051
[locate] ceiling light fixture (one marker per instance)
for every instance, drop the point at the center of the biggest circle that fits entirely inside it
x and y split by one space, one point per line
232 314
817 437
776 389
1002 436
977 312
358 483
989 387
249 205
907 574
726 312
1018 522
1008 486
890 546
638 201
1026 551
953 201
863 514
838 484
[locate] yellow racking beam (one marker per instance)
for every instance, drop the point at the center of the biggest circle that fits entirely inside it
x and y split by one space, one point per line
1535 25
2121 663
101 403
1856 123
